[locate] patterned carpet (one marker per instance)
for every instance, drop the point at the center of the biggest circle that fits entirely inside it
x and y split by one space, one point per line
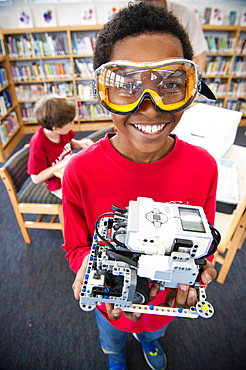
43 328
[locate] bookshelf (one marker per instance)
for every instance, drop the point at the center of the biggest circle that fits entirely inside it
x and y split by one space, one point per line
59 60
55 60
225 70
10 117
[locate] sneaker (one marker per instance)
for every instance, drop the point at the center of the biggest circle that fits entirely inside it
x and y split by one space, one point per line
153 354
114 366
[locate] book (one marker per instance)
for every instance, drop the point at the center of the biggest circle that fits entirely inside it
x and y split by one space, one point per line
2 48
3 77
243 17
216 16
206 16
232 17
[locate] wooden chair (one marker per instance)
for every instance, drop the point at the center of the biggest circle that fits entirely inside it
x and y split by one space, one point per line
231 242
28 198
97 135
31 198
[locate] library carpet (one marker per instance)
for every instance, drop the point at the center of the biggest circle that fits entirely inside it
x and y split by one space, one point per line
43 328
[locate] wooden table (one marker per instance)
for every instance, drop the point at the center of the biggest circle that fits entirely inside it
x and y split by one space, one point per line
232 226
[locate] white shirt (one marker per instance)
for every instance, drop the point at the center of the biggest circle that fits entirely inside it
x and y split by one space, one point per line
191 24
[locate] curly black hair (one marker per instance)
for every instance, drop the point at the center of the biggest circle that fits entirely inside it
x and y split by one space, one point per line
133 20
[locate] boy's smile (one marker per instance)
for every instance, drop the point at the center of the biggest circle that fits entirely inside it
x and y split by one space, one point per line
143 136
150 129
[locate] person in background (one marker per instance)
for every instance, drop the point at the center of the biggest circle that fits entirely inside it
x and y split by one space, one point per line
51 146
192 26
145 76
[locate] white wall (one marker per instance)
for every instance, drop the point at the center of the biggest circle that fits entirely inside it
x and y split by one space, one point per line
68 12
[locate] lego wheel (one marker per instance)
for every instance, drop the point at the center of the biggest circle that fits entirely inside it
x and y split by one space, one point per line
205 309
141 295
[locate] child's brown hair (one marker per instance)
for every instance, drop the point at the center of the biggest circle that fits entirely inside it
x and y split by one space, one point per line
53 111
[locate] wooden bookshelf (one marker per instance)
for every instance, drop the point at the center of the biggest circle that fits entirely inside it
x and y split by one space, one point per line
231 83
14 136
73 79
67 34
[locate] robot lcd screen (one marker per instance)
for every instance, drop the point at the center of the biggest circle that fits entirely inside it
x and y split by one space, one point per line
191 220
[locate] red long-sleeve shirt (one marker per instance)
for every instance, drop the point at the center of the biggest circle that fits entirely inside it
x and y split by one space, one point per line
44 153
99 177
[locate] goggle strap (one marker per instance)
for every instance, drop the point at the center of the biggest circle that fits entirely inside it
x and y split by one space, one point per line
94 87
205 90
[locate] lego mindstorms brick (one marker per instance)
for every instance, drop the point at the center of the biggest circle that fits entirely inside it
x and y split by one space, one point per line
148 242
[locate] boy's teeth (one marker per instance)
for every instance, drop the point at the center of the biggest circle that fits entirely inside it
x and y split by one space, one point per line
149 128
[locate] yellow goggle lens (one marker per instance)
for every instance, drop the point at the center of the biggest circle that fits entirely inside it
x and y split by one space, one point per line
170 85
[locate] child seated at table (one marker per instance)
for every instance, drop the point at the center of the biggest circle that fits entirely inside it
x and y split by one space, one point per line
51 146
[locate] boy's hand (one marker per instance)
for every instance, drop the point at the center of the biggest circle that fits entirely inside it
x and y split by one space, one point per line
78 282
185 296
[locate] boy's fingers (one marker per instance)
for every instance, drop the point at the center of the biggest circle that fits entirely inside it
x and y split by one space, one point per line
113 313
209 273
192 297
170 297
182 295
154 289
77 285
133 316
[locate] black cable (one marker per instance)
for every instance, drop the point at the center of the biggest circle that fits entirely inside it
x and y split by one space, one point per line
111 246
119 232
216 240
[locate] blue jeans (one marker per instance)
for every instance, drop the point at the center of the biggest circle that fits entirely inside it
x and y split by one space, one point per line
113 340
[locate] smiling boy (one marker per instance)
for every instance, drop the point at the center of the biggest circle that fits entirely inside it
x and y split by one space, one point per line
146 78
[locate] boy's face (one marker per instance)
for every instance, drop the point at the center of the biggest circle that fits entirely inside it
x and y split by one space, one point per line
143 136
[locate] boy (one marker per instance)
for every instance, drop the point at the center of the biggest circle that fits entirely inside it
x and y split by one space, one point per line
51 146
146 83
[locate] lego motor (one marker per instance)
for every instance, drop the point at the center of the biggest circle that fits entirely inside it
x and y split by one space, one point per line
148 242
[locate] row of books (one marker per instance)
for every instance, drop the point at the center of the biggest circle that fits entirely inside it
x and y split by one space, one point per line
84 45
92 111
222 45
241 46
83 68
218 66
239 68
7 127
218 88
239 106
84 91
23 47
235 89
38 72
36 91
3 77
28 115
5 103
214 103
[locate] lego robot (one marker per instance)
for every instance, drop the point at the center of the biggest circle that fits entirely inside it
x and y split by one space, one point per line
148 242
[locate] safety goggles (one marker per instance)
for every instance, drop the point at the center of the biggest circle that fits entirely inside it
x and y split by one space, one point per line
171 85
